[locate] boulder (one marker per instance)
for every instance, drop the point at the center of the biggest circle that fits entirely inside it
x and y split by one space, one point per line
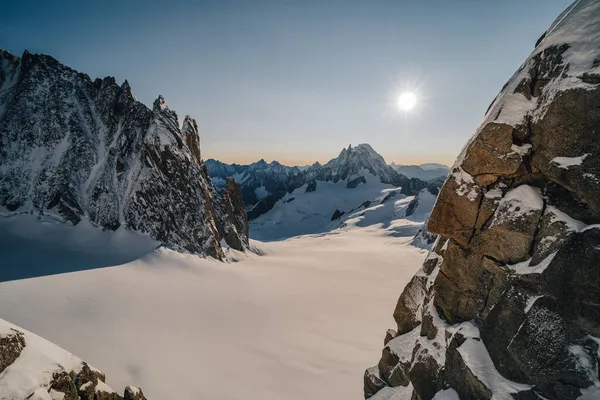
456 209
509 235
491 155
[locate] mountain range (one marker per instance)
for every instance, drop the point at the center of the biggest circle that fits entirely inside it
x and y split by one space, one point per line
264 184
424 172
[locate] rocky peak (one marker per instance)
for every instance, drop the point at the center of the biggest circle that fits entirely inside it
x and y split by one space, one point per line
118 164
505 305
189 132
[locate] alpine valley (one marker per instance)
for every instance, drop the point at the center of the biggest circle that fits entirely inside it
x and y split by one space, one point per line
149 273
127 224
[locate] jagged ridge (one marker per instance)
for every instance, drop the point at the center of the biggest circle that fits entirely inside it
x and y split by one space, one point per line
274 180
77 148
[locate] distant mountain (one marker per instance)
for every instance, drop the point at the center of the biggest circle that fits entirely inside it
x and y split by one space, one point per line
424 172
78 149
264 184
430 166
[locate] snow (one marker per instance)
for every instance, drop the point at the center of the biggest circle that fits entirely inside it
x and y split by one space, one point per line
589 365
394 393
591 393
477 359
530 302
403 345
518 202
261 192
134 390
466 184
496 192
522 150
34 367
566 162
570 223
514 107
302 321
103 387
525 268
447 394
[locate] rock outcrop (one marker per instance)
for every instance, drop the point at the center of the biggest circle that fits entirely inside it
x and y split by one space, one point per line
506 304
33 368
78 148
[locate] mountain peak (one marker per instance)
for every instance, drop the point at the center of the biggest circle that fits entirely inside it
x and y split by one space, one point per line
160 104
189 133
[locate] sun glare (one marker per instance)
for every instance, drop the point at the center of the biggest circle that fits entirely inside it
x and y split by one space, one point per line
407 101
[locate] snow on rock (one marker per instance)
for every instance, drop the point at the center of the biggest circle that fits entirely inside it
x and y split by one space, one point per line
518 202
394 393
38 369
566 162
446 394
402 346
477 359
266 184
335 206
518 253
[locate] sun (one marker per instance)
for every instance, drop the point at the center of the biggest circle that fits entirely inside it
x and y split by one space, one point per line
407 101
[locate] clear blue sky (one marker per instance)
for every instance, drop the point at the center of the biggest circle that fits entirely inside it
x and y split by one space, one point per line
298 80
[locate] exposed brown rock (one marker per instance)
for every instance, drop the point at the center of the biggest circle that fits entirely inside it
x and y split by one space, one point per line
456 210
405 314
465 282
509 235
236 222
491 152
518 285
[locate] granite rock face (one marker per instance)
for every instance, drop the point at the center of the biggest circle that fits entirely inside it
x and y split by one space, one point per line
78 148
506 304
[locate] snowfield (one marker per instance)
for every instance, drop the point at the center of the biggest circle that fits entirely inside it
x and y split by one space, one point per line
299 321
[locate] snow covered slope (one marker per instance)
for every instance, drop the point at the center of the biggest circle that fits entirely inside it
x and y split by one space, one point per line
85 150
297 322
33 368
334 206
264 184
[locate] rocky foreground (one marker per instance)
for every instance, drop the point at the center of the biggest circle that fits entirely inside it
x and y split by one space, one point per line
506 306
33 368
